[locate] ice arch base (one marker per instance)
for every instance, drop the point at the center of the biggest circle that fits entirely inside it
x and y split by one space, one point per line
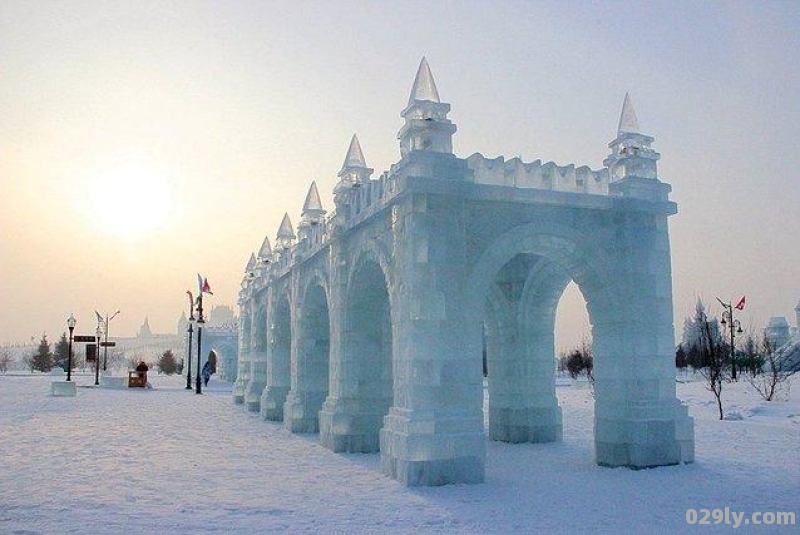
276 390
362 382
620 261
309 380
520 322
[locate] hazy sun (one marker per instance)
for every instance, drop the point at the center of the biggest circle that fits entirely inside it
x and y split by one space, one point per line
130 201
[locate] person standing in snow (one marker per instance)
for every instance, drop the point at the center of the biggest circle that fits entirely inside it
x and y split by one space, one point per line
142 370
206 373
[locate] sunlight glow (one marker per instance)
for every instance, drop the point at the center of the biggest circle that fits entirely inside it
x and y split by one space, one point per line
130 201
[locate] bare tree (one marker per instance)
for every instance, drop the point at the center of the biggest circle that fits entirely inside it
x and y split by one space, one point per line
579 360
588 358
714 354
772 376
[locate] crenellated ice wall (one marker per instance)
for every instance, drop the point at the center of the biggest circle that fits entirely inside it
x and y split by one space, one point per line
536 175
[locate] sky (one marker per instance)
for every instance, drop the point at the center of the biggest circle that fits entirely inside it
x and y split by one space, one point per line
222 113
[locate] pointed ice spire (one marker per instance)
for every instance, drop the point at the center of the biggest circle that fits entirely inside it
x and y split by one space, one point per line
313 203
354 158
266 249
628 123
285 231
251 264
354 169
424 87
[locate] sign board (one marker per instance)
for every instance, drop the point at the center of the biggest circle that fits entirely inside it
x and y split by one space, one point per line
84 338
107 344
91 352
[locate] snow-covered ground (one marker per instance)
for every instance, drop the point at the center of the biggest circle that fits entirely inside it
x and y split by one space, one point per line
167 460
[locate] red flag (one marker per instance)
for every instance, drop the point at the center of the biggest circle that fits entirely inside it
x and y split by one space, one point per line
740 304
206 287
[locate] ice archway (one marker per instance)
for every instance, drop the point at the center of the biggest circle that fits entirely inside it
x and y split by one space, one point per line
388 296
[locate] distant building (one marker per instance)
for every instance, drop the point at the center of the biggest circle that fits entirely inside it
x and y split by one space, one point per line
146 346
777 331
785 339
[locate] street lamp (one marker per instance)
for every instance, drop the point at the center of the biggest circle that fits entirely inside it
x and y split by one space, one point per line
200 322
105 345
189 356
99 333
71 321
735 327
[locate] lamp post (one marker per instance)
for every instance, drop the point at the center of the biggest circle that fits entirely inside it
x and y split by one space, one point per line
105 345
189 357
99 333
735 327
189 330
200 322
71 321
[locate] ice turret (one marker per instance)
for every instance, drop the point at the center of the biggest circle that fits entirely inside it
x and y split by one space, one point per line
285 234
251 265
632 163
628 122
354 171
313 218
355 157
424 87
313 211
631 155
265 253
427 127
249 273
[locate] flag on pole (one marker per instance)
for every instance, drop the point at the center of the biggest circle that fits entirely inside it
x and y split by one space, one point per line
99 317
740 304
202 283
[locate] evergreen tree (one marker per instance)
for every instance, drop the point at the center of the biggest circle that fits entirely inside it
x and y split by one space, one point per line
61 353
5 360
42 360
681 358
698 331
167 363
